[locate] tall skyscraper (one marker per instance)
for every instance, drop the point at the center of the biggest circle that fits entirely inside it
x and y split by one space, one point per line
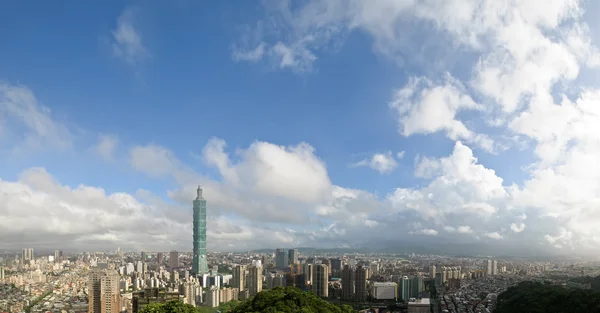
159 258
494 267
280 259
103 291
199 264
144 256
293 256
173 259
489 268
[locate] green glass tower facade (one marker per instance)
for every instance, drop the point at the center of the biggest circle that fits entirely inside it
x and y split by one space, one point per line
199 264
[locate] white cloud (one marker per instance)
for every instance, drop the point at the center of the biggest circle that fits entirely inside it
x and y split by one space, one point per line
425 108
461 187
27 125
517 228
425 231
384 163
106 147
464 230
494 235
127 39
253 55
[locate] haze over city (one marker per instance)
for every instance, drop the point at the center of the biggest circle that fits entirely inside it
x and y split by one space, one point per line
473 127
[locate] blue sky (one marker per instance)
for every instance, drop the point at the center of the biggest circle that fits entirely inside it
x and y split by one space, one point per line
324 73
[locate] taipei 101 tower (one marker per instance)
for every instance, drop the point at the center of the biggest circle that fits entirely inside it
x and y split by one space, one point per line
199 265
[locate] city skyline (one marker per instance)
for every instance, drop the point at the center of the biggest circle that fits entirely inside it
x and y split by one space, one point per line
328 124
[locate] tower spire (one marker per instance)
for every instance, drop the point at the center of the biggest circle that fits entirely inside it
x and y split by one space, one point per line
199 193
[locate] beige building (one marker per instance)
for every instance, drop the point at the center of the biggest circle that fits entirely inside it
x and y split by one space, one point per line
255 280
103 292
239 277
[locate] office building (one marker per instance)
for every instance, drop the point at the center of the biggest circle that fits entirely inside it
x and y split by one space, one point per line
281 259
255 280
494 267
173 259
103 292
293 256
199 262
404 289
159 258
489 268
385 291
416 286
320 283
144 256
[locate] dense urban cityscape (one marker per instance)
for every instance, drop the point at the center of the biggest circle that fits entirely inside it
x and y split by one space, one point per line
119 281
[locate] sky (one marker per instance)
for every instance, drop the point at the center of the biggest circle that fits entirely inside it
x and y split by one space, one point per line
309 123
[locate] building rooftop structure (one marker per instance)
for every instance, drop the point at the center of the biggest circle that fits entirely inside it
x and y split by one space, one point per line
418 302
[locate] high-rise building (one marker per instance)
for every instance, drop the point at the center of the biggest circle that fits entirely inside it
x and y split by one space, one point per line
103 292
432 270
144 256
173 259
239 277
416 286
404 290
56 256
159 258
254 279
280 259
1 272
494 267
360 283
199 263
347 283
27 254
293 256
489 268
320 283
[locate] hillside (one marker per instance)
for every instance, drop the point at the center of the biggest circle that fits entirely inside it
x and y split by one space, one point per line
289 300
533 297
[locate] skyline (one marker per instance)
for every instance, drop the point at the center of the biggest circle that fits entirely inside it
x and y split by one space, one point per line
319 123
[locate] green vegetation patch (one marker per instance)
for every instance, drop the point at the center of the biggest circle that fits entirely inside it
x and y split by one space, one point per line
535 297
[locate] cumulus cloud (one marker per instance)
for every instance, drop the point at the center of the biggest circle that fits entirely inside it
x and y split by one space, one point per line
384 163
